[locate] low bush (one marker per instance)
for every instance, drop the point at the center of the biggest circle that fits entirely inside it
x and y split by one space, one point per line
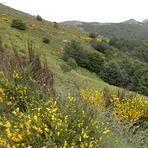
72 63
65 67
93 35
39 18
18 24
99 46
46 40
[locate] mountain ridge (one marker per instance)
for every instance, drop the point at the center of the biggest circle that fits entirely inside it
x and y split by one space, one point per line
130 29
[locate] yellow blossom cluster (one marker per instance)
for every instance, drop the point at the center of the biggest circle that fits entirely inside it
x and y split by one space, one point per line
4 19
130 109
47 121
16 34
3 27
95 97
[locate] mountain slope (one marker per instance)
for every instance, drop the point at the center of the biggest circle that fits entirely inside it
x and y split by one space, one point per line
130 29
110 51
36 30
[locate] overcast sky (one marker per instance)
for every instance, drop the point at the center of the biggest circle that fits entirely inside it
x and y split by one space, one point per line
83 10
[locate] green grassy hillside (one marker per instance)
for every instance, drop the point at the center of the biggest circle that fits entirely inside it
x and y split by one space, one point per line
36 30
48 101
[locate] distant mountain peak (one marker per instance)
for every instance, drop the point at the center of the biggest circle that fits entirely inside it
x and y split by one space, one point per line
132 21
145 21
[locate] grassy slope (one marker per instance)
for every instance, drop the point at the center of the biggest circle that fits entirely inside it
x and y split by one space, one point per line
64 82
36 30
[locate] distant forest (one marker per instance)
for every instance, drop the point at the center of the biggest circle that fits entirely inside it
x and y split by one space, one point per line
128 30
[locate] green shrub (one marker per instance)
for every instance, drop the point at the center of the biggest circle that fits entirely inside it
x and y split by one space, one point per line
96 61
46 40
93 35
65 67
18 24
39 18
75 50
72 63
113 41
56 25
99 46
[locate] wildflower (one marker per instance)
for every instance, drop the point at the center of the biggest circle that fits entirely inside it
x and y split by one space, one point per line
29 146
65 144
8 124
28 132
9 103
35 117
100 139
40 130
80 139
14 113
46 129
105 132
85 136
8 146
1 99
58 133
51 133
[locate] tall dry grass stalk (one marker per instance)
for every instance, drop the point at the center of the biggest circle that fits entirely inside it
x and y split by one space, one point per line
41 72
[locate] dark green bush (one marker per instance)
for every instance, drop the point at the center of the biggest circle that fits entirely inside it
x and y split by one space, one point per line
56 25
39 18
96 61
72 63
113 41
75 50
113 74
93 35
99 46
18 24
140 79
46 40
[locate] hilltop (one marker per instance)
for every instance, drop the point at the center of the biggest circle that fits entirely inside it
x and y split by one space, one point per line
130 29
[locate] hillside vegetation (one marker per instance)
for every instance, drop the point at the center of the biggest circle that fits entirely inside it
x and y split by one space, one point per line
62 87
130 29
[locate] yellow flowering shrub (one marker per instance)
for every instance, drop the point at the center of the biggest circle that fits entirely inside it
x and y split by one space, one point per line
47 121
130 109
4 19
94 97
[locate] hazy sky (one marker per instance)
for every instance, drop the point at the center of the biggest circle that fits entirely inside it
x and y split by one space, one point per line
83 10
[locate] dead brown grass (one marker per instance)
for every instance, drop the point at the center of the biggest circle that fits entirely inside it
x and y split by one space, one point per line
40 70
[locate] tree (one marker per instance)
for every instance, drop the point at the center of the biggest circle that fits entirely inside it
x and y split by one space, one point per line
113 74
74 50
140 79
96 61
